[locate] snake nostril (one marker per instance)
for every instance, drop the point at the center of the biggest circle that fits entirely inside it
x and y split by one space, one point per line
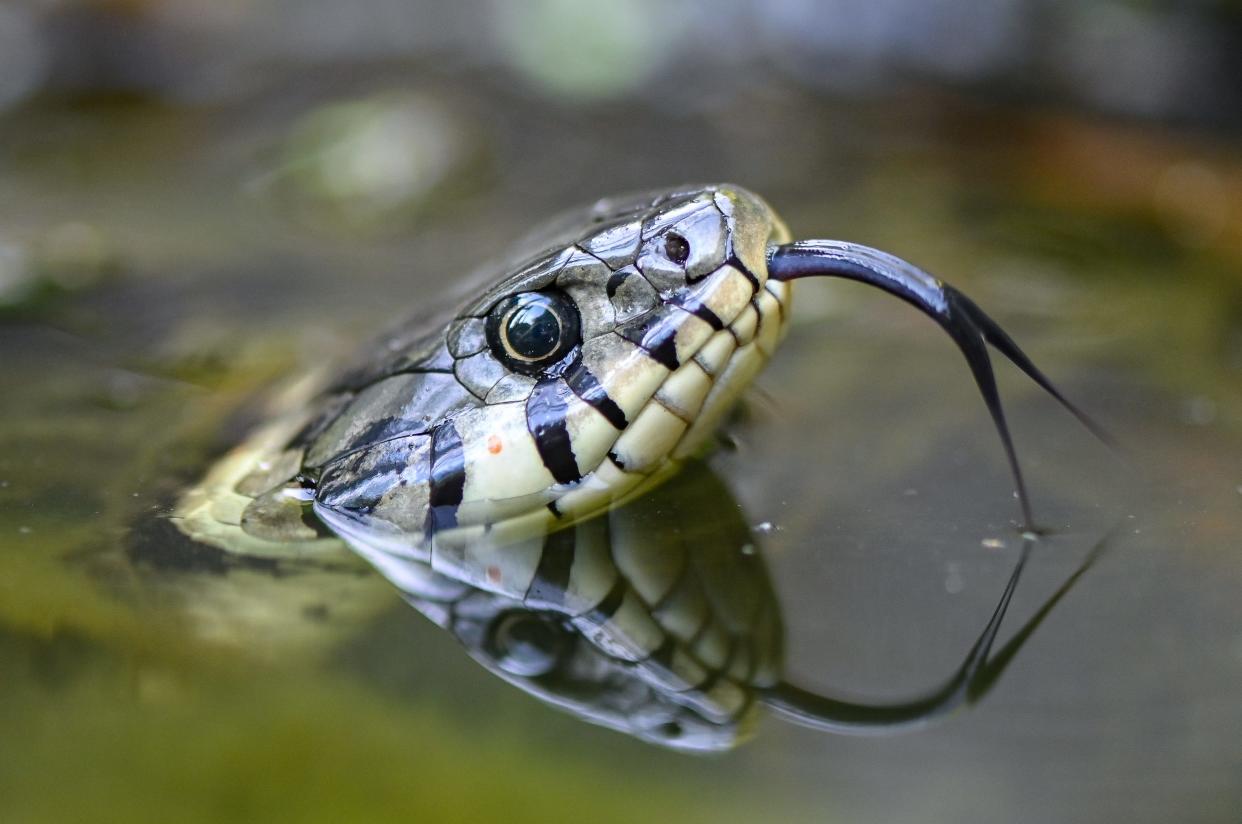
670 730
677 248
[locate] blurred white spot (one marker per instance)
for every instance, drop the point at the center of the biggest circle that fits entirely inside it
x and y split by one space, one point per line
68 256
954 582
15 277
25 530
365 160
764 527
579 49
75 254
1199 411
298 493
125 389
993 543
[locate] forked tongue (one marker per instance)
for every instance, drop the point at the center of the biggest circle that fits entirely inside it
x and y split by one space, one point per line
966 323
972 331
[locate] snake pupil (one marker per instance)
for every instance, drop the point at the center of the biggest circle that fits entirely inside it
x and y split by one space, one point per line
677 248
533 329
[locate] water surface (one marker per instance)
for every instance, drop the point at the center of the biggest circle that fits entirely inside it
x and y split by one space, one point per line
172 262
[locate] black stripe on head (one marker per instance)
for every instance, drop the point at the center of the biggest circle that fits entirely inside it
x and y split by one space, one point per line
448 477
752 658
547 589
614 283
714 676
736 262
546 409
586 386
662 656
695 306
656 334
603 612
731 655
780 307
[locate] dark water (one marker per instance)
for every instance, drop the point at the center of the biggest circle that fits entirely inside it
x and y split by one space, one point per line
162 264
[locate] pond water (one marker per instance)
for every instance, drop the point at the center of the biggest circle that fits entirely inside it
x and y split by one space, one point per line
161 266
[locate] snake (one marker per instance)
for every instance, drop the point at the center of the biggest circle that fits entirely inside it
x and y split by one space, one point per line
487 461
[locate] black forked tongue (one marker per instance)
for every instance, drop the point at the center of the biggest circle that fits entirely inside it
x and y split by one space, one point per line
976 676
957 314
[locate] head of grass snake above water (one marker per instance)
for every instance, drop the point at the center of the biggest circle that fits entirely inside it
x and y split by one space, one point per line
589 369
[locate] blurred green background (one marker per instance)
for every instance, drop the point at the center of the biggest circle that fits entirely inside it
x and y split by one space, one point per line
199 197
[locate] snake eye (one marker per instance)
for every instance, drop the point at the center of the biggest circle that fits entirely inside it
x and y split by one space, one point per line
532 330
527 643
677 248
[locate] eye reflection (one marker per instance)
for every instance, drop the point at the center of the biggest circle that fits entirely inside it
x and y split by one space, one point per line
528 644
533 330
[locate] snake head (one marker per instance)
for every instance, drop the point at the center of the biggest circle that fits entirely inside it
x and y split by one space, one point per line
578 377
